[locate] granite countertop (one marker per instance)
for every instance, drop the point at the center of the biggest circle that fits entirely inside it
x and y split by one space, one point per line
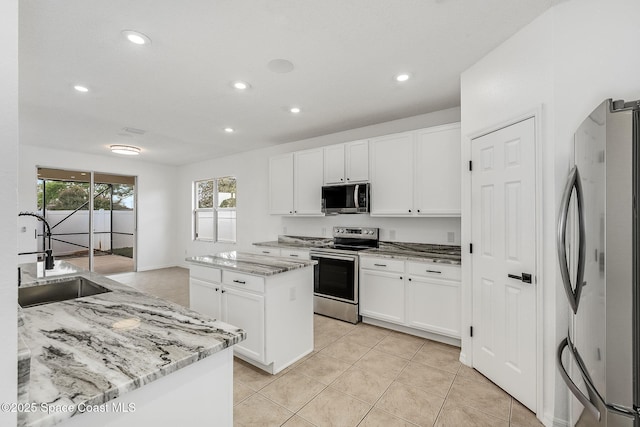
93 349
441 254
297 242
260 265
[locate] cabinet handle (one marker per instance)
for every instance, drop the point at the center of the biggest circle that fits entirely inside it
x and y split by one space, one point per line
409 210
348 179
217 289
341 179
400 277
418 210
380 265
290 211
294 255
242 282
223 291
434 271
409 279
266 252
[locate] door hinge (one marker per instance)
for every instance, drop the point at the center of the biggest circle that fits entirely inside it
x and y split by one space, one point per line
470 331
470 248
470 165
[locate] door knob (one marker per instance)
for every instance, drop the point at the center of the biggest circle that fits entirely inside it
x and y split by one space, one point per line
525 278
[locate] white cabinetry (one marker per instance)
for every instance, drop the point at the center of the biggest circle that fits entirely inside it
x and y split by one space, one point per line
282 252
417 173
281 184
275 311
308 177
392 175
345 163
295 183
415 295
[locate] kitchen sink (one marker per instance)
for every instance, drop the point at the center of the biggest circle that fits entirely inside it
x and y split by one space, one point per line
73 288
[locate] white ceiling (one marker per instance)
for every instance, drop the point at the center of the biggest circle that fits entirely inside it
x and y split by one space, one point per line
345 52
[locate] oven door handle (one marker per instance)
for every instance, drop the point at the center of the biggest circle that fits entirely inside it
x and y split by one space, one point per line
331 256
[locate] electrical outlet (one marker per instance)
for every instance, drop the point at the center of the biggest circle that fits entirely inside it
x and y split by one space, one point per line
324 231
392 234
451 237
284 230
23 229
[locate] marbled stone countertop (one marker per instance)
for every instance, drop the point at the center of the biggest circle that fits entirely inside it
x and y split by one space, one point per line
93 349
260 265
442 254
297 242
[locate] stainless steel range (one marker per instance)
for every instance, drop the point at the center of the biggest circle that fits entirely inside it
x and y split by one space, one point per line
335 283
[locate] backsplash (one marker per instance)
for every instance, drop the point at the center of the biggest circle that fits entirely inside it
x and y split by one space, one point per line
416 230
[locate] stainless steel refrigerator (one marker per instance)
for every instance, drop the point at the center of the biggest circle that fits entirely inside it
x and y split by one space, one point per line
598 250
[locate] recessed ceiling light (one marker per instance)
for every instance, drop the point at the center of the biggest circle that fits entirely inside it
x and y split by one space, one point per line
83 173
136 37
402 77
295 110
240 85
127 150
229 130
81 88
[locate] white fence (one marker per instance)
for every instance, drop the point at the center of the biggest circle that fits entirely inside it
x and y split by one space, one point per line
75 230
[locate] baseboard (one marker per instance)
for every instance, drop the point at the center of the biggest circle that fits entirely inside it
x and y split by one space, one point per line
463 359
550 421
157 267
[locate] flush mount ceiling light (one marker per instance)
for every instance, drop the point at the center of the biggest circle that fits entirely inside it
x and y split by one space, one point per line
403 77
229 130
81 88
240 85
280 66
295 110
136 37
127 150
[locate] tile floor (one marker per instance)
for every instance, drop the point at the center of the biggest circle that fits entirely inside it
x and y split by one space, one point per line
358 375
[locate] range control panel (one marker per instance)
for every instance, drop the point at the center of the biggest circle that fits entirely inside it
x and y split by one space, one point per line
356 232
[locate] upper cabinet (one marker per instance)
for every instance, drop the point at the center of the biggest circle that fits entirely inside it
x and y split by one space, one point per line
307 169
417 173
346 163
281 184
392 177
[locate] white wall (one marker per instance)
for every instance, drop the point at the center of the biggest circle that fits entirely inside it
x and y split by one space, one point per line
252 172
9 197
156 204
567 61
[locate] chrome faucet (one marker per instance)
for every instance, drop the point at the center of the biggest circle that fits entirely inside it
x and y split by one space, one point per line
48 253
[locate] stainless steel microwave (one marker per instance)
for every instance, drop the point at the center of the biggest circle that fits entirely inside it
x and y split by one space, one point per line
348 198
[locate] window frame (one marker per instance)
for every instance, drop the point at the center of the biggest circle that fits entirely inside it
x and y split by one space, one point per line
215 209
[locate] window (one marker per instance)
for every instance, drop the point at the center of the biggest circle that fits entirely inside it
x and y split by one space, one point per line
215 209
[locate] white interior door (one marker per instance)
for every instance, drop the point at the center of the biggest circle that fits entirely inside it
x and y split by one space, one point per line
503 237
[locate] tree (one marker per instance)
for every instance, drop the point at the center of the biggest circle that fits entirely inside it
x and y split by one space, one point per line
70 195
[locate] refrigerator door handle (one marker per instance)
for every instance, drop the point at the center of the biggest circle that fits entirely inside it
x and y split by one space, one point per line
584 400
573 295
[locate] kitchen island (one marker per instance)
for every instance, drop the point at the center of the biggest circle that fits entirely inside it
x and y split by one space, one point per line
122 358
270 298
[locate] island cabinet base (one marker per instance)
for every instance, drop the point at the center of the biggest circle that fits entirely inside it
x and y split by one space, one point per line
275 311
199 394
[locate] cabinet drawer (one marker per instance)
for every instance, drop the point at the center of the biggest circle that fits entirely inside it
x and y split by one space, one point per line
382 264
440 271
263 250
243 281
205 273
294 253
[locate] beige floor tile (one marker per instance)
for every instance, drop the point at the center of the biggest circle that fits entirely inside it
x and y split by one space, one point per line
411 404
379 418
457 416
258 411
292 390
323 339
400 345
472 374
334 408
521 416
439 356
382 364
240 392
297 421
485 397
428 378
346 350
362 384
335 326
322 368
251 376
367 335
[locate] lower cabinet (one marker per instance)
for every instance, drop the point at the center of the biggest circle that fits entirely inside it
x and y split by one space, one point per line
382 295
246 310
418 295
276 312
